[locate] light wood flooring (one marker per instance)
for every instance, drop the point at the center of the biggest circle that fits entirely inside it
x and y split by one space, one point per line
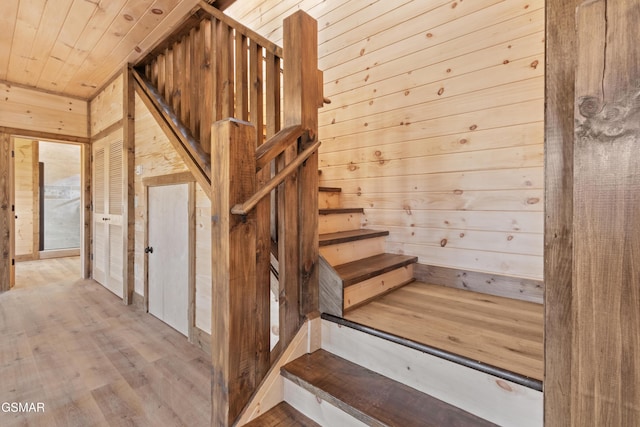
502 332
91 360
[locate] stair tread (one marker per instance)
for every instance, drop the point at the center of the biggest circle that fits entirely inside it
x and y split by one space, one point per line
339 211
282 415
330 189
365 268
371 397
350 236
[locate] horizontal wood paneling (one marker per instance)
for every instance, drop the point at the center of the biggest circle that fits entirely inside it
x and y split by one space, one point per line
106 108
34 110
157 157
436 122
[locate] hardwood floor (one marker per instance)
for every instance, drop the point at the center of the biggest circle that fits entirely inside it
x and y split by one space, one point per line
72 345
502 332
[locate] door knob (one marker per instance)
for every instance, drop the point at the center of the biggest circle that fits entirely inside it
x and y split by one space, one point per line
148 250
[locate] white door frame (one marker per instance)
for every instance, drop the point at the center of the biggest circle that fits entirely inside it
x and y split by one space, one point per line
178 178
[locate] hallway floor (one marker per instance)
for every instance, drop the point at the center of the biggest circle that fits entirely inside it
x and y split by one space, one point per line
73 346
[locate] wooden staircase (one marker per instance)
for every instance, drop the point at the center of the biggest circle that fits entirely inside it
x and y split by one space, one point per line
355 268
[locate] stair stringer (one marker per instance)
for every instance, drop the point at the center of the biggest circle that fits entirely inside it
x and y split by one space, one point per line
494 399
272 389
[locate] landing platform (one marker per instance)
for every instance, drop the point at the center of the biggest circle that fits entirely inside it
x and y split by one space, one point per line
496 331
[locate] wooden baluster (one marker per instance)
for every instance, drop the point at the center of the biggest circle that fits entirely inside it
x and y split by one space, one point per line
263 209
161 74
168 76
195 87
272 122
178 72
187 77
207 71
242 78
238 347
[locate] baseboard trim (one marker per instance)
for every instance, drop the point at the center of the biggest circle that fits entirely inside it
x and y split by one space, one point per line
59 253
201 339
493 284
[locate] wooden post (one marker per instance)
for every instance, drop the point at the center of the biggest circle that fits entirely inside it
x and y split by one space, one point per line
128 147
560 74
605 386
238 349
301 107
5 212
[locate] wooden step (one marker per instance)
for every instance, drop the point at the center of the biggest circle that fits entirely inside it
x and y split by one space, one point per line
347 246
370 397
366 268
282 415
350 236
336 220
329 197
370 277
480 389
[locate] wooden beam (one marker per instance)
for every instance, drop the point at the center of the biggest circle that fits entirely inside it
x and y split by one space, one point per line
53 137
128 146
605 372
237 346
5 212
560 65
301 107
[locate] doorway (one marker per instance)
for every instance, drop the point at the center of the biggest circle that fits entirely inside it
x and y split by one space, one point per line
169 253
47 178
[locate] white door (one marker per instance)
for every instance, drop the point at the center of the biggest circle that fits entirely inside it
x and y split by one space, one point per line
168 254
108 238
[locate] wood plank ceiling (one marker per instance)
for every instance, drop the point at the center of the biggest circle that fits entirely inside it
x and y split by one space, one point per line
74 47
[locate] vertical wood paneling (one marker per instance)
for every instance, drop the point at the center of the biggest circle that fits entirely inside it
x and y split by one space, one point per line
416 87
605 374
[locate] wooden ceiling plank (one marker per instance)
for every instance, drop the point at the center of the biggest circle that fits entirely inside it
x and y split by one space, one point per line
7 23
81 12
99 23
126 45
27 23
125 22
53 17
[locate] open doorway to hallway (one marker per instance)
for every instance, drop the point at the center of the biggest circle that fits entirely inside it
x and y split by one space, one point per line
47 199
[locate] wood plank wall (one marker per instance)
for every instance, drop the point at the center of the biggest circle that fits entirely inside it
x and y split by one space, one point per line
33 110
156 156
436 122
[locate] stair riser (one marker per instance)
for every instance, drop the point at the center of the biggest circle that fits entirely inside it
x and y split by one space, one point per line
329 200
343 253
494 399
318 410
335 223
361 292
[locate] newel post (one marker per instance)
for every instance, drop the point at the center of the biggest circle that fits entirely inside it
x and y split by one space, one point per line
301 107
237 346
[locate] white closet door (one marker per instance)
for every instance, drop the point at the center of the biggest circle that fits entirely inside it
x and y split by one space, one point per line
168 221
108 239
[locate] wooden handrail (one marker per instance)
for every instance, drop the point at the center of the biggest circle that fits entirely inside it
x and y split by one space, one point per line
247 32
246 207
276 145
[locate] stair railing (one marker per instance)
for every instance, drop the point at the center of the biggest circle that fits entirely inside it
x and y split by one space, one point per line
241 233
243 114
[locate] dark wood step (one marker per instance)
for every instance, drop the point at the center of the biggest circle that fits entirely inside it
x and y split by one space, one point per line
370 397
330 189
350 236
366 268
340 211
282 415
